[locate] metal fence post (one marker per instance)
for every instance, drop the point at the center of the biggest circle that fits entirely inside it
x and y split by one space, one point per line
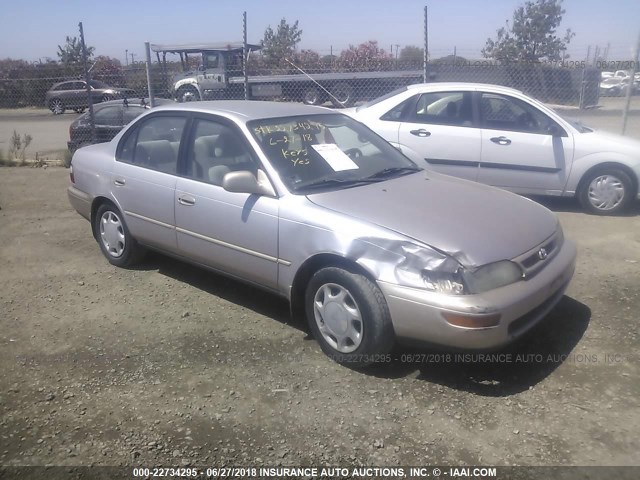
245 51
426 47
149 86
87 79
634 68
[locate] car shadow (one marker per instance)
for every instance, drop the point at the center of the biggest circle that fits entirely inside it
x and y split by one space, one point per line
229 289
571 204
502 372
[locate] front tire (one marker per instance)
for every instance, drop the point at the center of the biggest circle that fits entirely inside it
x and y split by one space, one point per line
112 234
187 94
349 317
312 96
56 106
606 192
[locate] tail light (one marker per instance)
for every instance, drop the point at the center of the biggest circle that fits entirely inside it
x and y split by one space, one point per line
73 180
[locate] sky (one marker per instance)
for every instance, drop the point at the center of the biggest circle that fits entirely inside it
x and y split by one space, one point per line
32 29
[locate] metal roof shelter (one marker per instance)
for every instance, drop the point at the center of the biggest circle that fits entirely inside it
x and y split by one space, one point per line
185 49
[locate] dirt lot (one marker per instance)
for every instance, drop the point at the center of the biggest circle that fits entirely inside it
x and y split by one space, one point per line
170 365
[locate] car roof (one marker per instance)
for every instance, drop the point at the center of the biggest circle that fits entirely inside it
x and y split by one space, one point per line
134 102
461 86
245 110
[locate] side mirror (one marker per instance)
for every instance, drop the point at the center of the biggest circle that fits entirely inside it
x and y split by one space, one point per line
246 182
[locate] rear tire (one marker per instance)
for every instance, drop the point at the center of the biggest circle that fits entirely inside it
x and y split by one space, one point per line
112 234
606 191
349 317
342 95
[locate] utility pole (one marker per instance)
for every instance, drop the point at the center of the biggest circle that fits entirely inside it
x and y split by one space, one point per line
87 79
627 105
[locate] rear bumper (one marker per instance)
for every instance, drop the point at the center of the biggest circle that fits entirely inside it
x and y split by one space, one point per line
417 314
80 201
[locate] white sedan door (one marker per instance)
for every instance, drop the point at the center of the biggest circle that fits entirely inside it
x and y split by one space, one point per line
439 129
523 150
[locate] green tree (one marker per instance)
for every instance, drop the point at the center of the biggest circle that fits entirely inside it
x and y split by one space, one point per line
532 35
281 44
71 52
411 54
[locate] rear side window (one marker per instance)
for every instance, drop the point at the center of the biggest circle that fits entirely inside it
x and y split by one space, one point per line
443 108
132 112
109 116
154 144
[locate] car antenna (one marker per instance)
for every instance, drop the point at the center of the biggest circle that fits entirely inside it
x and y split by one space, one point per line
311 78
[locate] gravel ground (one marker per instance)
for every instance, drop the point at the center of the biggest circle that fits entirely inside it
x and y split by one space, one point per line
170 365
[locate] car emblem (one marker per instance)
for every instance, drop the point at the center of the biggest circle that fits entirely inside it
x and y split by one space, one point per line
542 253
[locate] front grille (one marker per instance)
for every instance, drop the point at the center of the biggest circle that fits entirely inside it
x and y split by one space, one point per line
532 261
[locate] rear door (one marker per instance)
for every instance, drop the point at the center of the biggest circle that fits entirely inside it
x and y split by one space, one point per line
144 178
439 129
108 122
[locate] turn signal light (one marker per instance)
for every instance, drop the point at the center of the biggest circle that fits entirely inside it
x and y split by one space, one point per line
472 321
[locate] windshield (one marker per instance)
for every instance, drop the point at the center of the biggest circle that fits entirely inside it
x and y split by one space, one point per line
382 98
327 151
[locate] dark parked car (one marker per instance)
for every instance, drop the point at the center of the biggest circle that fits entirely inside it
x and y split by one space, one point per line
110 118
72 94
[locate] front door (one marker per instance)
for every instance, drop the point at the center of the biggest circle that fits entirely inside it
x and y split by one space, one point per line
523 149
233 232
211 75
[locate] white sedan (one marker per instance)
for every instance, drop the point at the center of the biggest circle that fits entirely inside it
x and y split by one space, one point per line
501 137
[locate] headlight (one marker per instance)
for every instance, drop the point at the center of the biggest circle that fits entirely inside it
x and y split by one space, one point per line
429 269
492 276
437 272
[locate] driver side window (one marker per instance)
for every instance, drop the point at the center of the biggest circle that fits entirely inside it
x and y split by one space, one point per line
500 112
216 150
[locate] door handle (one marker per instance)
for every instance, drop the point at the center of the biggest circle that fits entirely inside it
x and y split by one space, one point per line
186 200
420 133
119 182
501 140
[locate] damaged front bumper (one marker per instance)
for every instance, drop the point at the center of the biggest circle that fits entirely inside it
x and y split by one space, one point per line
418 314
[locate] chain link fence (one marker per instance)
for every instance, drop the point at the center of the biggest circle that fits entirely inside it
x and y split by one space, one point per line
602 94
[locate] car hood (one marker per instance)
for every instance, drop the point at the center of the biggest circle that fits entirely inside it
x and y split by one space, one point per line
474 223
601 141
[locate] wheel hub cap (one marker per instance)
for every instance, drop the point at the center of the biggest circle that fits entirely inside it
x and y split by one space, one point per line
338 317
112 234
606 192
